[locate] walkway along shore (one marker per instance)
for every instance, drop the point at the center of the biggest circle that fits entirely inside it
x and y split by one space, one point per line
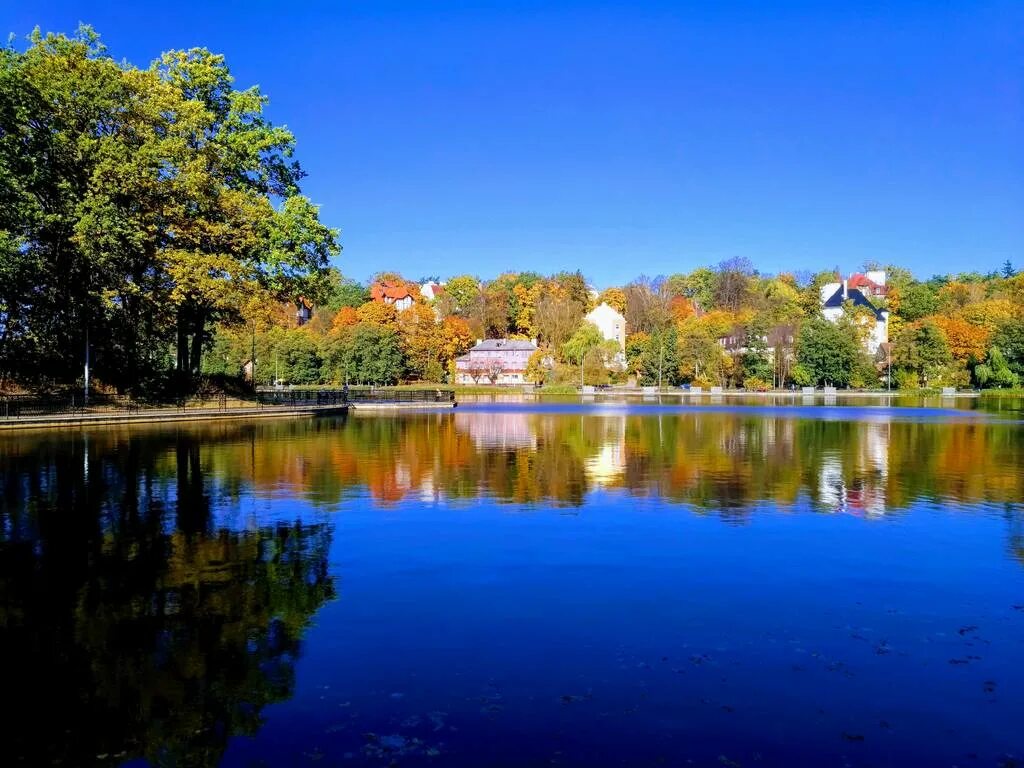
42 413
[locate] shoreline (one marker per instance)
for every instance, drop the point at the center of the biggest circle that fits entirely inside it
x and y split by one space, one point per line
167 416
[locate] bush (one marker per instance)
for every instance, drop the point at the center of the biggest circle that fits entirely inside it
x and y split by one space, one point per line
907 379
756 384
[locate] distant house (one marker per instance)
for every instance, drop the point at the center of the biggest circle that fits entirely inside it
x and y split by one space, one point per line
395 294
871 283
431 290
610 322
835 295
303 312
780 337
495 361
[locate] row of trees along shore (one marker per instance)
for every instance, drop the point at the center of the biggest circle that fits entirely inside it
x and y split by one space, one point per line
154 217
960 330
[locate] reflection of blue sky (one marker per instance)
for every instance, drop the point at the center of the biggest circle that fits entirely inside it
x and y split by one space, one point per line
669 632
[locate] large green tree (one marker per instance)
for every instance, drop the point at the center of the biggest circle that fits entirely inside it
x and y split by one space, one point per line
146 205
826 352
921 350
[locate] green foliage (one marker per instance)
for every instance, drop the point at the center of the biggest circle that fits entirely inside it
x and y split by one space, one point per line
995 372
922 349
140 207
826 353
300 359
656 358
1009 339
755 362
341 291
802 376
586 338
917 300
366 353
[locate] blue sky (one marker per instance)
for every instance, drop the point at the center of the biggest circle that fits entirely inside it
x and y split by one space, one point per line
451 137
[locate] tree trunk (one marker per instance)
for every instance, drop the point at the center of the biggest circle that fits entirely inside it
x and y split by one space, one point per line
198 337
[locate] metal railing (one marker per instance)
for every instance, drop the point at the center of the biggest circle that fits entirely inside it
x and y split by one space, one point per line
301 397
354 395
23 406
394 395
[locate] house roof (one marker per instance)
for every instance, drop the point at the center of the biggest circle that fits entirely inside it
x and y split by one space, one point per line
836 300
493 345
859 280
604 308
381 291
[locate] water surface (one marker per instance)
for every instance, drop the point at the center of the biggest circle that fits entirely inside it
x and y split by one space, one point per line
529 584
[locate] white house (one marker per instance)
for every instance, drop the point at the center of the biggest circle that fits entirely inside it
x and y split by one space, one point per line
431 290
834 295
610 322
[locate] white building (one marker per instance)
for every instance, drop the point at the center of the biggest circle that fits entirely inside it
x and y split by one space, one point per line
495 361
431 290
834 295
610 323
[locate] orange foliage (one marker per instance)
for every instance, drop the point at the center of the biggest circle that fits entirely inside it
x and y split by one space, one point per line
680 308
965 339
345 317
455 337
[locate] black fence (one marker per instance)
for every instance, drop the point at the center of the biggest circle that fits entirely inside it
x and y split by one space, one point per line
392 395
21 406
301 397
354 395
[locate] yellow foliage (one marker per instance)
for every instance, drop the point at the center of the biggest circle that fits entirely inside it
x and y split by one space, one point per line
378 312
965 339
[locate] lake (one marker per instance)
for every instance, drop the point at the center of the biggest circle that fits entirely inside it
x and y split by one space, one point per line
519 584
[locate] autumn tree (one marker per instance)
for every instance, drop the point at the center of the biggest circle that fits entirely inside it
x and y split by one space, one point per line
614 298
921 350
647 305
556 318
967 342
378 313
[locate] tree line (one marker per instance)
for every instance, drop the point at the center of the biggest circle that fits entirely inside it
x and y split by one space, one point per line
955 330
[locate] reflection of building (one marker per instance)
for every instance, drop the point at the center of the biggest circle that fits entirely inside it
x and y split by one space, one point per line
499 430
609 463
865 492
497 361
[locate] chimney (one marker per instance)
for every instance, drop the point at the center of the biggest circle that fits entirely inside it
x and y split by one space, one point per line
479 342
534 341
846 295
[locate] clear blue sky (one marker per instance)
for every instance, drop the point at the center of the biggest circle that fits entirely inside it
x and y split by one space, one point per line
451 137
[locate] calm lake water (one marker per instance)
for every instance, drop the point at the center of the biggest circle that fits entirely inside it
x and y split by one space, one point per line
519 585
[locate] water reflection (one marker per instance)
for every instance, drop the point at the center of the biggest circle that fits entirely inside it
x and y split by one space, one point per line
135 619
156 586
711 461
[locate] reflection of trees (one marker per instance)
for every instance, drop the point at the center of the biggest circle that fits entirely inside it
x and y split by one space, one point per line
132 625
721 461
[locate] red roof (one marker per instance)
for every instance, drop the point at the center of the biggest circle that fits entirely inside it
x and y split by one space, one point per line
393 291
863 281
